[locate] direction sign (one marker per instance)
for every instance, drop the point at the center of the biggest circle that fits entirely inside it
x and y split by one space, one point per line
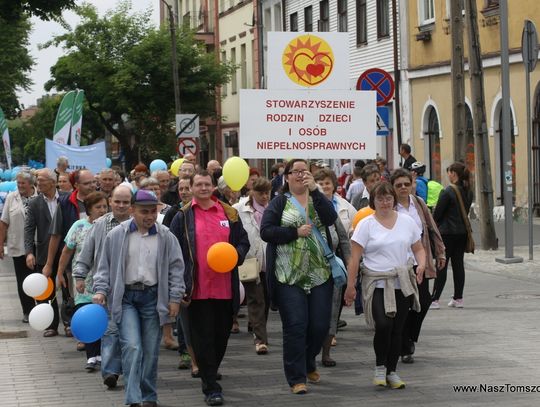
382 121
529 45
187 146
380 81
187 125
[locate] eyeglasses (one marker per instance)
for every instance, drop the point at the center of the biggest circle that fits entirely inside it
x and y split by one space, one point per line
296 173
402 184
385 199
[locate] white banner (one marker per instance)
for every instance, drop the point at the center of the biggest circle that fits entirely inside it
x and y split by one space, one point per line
299 60
307 124
91 157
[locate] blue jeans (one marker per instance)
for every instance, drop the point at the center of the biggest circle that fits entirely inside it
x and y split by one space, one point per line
305 320
111 354
140 336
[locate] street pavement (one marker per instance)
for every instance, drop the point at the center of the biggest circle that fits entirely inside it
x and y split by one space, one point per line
494 340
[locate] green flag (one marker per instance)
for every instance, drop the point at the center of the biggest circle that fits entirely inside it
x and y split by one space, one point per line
5 137
62 125
76 120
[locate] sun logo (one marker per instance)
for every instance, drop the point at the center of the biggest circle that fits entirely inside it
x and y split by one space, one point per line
308 60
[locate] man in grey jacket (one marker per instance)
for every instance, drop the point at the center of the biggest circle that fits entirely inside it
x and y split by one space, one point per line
141 275
119 202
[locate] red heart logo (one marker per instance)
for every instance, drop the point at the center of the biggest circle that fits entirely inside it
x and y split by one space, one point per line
315 69
319 65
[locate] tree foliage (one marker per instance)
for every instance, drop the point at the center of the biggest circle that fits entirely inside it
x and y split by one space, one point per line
13 10
15 62
123 64
28 137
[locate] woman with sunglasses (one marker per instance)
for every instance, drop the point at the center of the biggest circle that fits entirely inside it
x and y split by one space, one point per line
387 241
415 207
299 276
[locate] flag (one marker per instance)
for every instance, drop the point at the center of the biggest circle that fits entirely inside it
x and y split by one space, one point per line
76 120
5 137
62 125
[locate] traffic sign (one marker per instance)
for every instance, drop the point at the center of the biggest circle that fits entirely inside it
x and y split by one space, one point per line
188 146
187 125
380 81
382 121
529 45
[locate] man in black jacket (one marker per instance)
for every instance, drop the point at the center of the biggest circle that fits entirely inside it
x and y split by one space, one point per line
405 153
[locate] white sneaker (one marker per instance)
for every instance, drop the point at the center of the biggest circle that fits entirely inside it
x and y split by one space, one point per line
380 376
394 381
435 305
456 303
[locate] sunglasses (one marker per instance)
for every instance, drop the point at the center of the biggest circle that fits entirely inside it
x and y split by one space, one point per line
402 184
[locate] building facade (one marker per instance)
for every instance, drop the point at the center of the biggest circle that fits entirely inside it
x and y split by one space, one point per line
429 78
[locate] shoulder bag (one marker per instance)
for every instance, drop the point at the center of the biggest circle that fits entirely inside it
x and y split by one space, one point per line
339 272
469 246
249 270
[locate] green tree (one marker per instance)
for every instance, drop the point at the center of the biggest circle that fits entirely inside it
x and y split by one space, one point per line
15 62
12 10
123 64
28 137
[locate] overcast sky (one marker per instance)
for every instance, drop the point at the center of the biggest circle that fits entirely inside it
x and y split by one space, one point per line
44 59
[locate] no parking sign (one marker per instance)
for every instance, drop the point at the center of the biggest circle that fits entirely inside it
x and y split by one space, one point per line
380 81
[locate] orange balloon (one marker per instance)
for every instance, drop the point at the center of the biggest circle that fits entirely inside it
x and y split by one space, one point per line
222 257
361 214
48 291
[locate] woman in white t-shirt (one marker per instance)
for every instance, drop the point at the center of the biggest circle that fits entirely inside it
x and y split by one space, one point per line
386 241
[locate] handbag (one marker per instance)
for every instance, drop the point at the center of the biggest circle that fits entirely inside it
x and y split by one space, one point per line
469 245
339 272
249 270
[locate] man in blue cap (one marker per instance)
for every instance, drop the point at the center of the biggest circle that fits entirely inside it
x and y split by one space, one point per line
141 277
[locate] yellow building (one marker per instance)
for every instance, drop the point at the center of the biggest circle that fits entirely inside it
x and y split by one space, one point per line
429 80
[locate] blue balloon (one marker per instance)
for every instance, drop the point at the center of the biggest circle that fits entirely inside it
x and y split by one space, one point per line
108 161
89 323
12 186
158 165
7 175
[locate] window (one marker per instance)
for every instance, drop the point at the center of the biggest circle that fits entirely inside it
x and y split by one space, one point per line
426 11
234 84
224 86
342 15
294 22
434 145
324 16
361 22
383 19
243 67
308 19
277 17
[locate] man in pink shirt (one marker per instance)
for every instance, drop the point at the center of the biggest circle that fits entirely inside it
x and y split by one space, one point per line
214 297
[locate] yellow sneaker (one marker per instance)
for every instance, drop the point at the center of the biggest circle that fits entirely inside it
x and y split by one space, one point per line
395 381
380 376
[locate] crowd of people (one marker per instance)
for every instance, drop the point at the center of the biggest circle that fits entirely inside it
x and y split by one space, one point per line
137 244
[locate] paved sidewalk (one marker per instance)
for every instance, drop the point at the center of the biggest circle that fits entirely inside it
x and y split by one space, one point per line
493 340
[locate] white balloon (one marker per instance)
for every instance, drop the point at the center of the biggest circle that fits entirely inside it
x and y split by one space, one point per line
242 292
35 284
41 316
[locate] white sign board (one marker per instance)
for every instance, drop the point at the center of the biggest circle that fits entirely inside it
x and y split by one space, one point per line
92 157
187 125
299 60
307 124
